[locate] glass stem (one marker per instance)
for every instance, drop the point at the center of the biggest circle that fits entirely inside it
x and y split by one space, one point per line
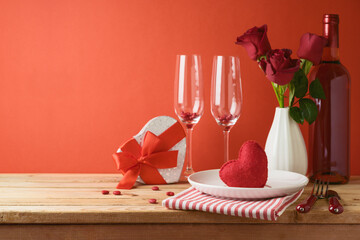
188 146
226 145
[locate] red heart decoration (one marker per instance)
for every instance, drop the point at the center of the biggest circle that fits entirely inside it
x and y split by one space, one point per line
249 170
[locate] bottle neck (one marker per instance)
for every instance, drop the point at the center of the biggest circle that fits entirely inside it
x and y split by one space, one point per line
331 50
330 54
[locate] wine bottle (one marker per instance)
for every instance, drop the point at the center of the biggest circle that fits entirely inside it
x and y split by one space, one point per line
329 135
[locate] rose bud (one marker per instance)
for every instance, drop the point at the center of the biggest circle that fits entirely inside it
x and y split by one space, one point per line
255 42
311 47
280 68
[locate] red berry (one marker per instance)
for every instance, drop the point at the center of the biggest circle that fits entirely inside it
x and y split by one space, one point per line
170 193
116 192
105 192
152 201
155 188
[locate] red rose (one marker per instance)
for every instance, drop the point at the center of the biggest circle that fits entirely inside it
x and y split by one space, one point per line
311 47
255 42
279 67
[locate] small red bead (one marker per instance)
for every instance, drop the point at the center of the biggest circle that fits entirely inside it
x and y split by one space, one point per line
116 192
155 188
105 192
170 193
152 201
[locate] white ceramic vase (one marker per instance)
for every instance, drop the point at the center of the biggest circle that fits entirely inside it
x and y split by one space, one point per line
285 146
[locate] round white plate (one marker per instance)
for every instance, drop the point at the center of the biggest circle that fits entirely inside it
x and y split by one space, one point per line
279 183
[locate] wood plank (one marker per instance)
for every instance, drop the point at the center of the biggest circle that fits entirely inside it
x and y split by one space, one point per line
179 231
45 193
77 198
88 196
156 214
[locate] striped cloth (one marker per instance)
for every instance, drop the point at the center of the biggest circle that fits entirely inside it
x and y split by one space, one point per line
266 209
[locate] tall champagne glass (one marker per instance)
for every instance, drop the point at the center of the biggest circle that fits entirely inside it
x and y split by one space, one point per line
189 100
226 95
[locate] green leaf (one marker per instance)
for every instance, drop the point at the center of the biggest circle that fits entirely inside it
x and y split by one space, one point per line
316 90
297 115
300 83
291 93
309 109
306 66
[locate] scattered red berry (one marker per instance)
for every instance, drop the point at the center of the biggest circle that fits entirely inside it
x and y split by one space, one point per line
170 193
152 201
225 119
188 117
155 188
105 192
116 192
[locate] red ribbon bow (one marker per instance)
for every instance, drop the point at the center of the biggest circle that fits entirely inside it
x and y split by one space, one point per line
134 160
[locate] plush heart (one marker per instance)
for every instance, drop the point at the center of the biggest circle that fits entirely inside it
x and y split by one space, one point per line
249 170
157 126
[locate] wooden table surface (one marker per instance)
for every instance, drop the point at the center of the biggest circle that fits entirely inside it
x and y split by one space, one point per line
71 206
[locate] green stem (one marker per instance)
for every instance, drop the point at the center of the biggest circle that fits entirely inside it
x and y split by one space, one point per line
278 97
281 102
299 100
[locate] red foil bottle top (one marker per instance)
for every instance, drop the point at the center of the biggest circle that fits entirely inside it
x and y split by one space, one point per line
331 30
331 18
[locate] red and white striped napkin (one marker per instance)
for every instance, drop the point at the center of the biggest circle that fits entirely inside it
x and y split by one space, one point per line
266 209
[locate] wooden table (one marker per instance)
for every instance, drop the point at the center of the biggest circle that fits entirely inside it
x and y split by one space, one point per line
71 206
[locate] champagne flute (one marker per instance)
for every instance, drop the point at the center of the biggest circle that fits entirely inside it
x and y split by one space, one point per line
226 95
189 100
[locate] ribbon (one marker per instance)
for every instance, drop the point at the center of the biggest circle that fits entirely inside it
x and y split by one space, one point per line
135 160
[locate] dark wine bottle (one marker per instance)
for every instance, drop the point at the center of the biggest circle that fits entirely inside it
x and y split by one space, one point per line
329 135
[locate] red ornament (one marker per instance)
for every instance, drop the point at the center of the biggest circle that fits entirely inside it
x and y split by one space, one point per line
170 193
155 188
116 192
249 170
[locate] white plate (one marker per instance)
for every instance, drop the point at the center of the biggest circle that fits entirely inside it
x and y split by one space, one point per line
280 183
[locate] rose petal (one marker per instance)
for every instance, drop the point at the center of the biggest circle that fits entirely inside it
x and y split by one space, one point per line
311 47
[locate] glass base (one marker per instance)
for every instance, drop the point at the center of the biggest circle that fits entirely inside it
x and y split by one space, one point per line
184 176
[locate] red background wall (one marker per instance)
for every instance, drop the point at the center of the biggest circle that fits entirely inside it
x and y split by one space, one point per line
79 77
